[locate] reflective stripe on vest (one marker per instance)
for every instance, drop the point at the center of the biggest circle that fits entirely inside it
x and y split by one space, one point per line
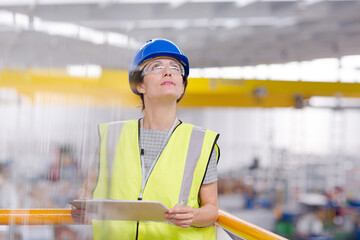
109 136
193 154
176 177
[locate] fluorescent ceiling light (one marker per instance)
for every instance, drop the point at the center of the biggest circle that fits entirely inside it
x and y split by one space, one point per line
349 75
91 35
350 61
228 23
76 71
17 20
177 3
196 73
311 2
22 21
291 71
261 72
285 21
211 72
117 39
84 71
243 3
173 3
57 2
350 68
55 28
333 102
231 72
6 18
162 23
94 71
248 72
319 70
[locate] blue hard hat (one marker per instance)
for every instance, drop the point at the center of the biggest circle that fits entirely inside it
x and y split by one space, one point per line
153 48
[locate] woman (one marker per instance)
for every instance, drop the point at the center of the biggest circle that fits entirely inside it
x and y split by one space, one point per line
158 157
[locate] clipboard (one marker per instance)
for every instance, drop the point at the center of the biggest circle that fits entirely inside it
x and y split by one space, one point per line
107 209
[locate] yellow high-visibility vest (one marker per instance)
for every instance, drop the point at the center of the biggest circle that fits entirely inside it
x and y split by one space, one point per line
177 176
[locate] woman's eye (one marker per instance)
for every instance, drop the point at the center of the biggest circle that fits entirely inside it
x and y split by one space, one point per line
175 68
157 67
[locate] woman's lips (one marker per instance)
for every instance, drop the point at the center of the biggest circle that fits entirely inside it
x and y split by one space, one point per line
168 83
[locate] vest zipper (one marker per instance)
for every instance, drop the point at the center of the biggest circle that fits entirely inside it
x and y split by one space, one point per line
137 230
143 169
144 177
137 223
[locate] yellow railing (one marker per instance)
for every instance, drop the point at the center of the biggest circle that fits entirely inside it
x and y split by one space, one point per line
245 229
36 217
226 220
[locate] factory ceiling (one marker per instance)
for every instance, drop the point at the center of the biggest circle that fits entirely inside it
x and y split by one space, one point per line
54 34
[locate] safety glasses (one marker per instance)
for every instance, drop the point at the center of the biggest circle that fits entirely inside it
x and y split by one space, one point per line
158 67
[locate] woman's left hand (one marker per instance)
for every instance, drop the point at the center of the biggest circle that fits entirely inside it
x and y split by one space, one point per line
181 216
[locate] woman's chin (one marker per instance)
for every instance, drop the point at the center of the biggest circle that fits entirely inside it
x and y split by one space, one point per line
169 97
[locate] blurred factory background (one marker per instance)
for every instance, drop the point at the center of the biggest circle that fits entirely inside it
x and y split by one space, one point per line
278 79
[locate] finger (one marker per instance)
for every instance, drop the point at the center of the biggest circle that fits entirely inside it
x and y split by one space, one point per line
179 210
184 209
76 218
183 224
174 209
182 221
78 212
169 216
179 215
184 217
78 215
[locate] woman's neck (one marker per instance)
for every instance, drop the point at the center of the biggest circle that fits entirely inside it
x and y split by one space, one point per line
160 117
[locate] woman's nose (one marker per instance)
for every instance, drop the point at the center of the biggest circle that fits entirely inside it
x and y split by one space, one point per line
166 70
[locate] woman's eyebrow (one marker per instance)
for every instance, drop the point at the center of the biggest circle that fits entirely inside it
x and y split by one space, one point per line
159 61
156 61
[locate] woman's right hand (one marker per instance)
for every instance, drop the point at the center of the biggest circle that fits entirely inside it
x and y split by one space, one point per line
79 215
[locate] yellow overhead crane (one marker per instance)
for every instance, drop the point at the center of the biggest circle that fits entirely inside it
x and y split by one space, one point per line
112 89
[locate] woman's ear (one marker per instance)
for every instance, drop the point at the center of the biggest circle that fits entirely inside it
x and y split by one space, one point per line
140 88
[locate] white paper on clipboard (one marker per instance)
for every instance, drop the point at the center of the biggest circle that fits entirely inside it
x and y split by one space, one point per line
107 209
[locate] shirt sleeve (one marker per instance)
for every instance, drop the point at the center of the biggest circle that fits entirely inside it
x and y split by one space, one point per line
211 171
